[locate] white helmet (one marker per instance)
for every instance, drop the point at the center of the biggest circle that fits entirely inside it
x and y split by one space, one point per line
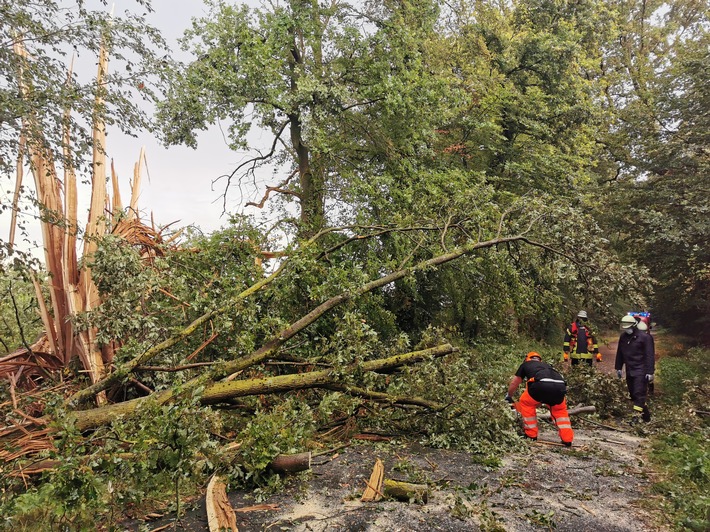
582 314
641 326
628 321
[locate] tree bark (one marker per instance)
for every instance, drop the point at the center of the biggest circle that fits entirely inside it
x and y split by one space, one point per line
572 412
221 391
406 491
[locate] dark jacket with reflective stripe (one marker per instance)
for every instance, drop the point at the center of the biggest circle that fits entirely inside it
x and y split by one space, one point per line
637 351
544 383
579 334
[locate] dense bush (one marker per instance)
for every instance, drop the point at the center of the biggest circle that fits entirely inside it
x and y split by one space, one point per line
681 451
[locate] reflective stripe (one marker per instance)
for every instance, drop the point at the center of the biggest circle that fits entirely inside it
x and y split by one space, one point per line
533 418
564 426
533 426
551 380
562 419
638 408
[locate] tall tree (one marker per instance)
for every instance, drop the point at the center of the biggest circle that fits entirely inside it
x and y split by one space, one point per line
659 182
340 87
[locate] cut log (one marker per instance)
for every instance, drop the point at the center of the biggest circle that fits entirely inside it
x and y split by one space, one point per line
545 416
405 491
291 463
373 491
220 514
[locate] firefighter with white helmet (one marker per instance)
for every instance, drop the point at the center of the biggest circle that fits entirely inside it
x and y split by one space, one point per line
636 351
580 342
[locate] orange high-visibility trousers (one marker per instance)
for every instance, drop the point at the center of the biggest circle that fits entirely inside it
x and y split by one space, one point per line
527 407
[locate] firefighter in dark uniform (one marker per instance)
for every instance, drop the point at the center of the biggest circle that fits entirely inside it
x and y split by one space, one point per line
636 351
544 386
580 342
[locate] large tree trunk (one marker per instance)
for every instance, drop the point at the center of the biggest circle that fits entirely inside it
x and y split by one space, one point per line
222 391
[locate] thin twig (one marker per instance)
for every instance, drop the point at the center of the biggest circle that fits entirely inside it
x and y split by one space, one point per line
602 424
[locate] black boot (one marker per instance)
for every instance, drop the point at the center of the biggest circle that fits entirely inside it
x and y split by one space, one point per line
646 414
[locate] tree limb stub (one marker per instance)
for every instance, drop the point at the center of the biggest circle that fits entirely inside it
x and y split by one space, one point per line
406 491
386 398
572 412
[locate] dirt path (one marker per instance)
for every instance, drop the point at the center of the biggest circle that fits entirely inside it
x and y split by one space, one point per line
608 351
595 485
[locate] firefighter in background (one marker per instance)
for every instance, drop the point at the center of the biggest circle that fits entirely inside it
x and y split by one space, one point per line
580 342
544 386
636 351
643 325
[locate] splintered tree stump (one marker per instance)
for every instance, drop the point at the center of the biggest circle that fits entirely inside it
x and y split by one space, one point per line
405 491
291 463
373 491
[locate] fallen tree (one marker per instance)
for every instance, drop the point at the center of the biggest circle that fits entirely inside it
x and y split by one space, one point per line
272 346
222 391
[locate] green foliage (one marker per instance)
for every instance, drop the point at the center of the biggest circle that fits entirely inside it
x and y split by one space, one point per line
19 323
589 386
545 520
477 419
161 452
685 459
658 168
681 450
39 88
286 429
125 282
682 387
355 89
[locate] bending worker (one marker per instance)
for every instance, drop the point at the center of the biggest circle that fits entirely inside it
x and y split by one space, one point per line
544 386
636 351
580 342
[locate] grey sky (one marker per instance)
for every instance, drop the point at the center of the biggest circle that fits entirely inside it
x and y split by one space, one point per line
180 178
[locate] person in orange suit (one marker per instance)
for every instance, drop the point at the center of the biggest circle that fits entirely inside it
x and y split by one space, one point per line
544 385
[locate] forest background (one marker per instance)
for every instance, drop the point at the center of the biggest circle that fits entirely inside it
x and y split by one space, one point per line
448 179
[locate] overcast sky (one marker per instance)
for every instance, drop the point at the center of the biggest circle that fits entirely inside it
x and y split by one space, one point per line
177 185
180 185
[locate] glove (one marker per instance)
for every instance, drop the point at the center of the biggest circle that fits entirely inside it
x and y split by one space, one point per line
649 378
508 398
618 373
599 357
565 357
